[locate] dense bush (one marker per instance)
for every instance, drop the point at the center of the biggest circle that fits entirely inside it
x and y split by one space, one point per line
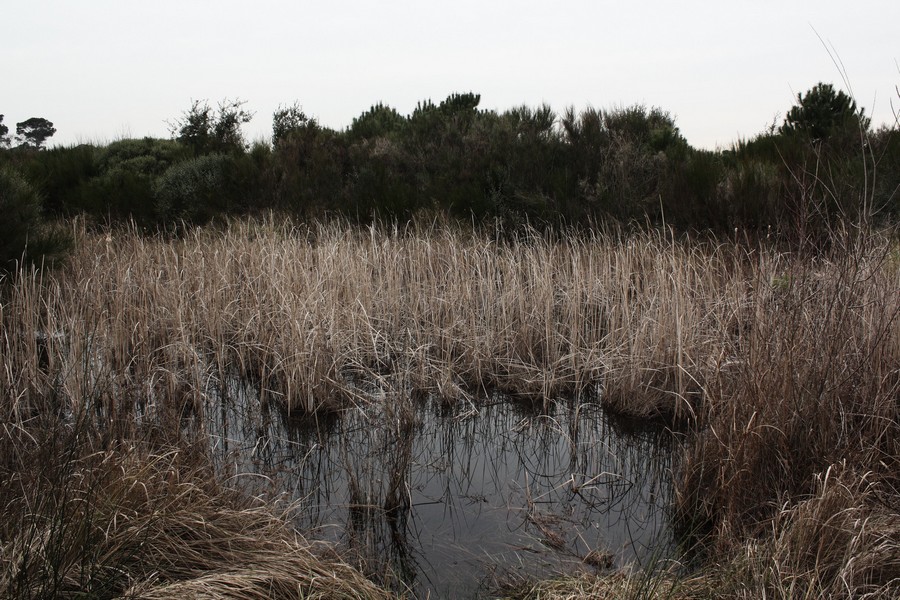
147 156
525 165
287 120
23 234
193 190
378 121
58 173
126 170
885 156
205 130
309 168
823 113
21 209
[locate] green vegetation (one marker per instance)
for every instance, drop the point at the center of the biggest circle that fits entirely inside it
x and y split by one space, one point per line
823 113
206 131
4 134
21 209
24 236
627 165
33 132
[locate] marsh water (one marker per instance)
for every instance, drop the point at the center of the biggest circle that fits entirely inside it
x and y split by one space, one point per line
448 500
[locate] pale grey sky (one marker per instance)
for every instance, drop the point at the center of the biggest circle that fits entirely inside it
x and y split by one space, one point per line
106 69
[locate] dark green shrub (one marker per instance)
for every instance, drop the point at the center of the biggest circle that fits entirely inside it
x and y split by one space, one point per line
753 191
288 119
622 159
249 180
309 168
124 185
692 193
885 154
521 166
379 121
58 173
21 210
448 164
23 233
193 190
652 129
205 131
119 195
806 187
823 113
381 181
628 181
432 125
146 156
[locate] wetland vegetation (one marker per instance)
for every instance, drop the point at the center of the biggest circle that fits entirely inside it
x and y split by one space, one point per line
458 352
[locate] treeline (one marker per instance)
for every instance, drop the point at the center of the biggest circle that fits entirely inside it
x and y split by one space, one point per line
822 166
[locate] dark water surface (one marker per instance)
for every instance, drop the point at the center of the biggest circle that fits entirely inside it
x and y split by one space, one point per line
446 501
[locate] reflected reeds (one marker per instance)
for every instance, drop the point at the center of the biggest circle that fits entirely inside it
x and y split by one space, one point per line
437 497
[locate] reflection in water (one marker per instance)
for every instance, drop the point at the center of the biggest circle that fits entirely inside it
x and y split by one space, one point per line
439 499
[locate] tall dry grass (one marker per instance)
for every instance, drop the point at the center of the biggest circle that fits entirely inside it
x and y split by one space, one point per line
310 313
802 450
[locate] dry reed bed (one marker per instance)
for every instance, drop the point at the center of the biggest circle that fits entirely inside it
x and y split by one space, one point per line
310 313
794 481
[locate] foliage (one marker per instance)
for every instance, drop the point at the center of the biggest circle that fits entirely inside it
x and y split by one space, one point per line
204 130
147 156
308 171
58 174
126 173
624 159
824 158
822 113
885 148
289 119
524 165
691 193
4 134
21 209
33 132
193 190
431 124
23 233
379 121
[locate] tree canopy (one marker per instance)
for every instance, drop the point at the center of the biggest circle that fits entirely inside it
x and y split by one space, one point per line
822 112
33 132
206 130
289 119
4 134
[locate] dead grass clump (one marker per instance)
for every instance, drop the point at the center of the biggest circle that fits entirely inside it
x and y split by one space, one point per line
624 584
134 522
843 542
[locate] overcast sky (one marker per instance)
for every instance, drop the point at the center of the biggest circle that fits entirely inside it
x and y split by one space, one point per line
106 69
